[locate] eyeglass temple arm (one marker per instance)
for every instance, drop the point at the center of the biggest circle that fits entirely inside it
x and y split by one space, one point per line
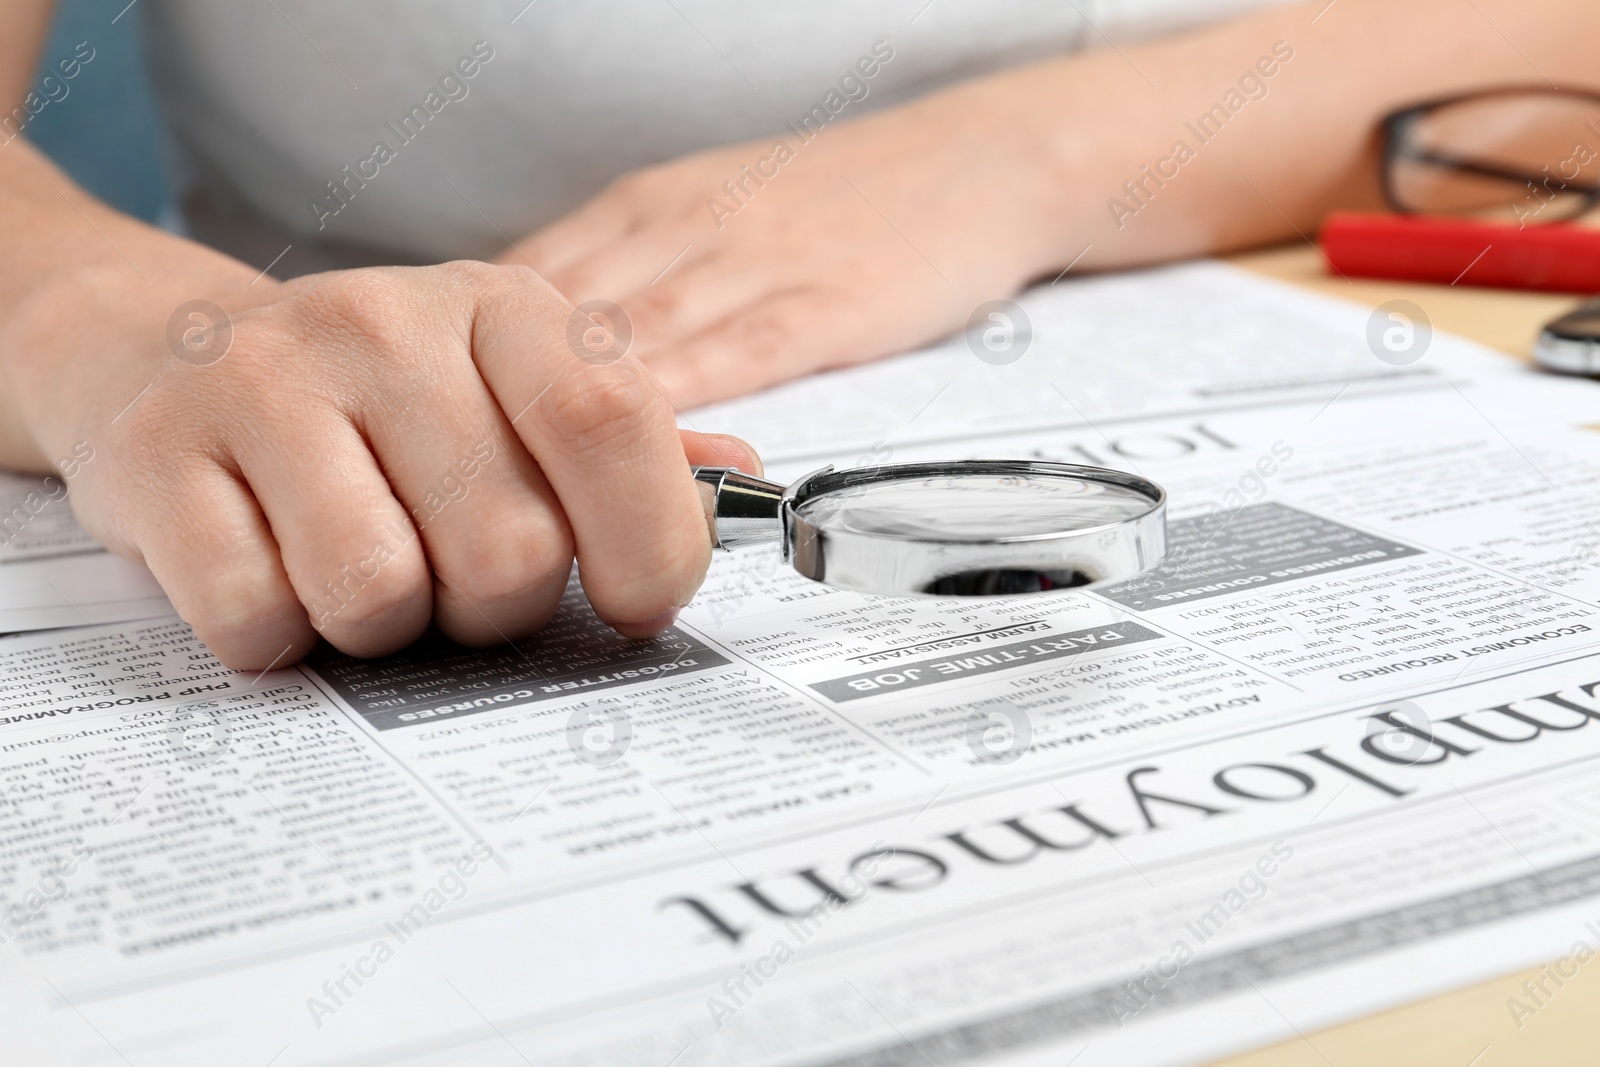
1488 170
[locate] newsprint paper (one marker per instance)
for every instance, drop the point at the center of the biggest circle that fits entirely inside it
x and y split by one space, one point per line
1338 753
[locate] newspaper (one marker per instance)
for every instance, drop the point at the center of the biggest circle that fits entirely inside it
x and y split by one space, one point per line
52 573
1334 755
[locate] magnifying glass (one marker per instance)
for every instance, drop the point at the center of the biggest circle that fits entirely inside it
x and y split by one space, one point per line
971 528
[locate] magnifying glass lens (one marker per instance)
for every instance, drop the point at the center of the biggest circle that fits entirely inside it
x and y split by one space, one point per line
976 507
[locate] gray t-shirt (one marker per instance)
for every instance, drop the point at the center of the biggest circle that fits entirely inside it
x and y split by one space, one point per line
429 129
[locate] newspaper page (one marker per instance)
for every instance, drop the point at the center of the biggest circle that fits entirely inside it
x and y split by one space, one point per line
1335 754
52 573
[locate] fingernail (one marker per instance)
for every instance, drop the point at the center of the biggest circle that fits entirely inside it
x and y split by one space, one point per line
641 631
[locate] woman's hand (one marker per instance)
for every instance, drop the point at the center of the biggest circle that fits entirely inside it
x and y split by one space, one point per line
887 231
749 265
370 451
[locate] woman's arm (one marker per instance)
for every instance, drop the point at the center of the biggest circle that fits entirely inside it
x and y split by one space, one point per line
354 455
888 231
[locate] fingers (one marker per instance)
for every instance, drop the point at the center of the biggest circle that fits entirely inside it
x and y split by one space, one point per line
605 437
784 336
602 221
646 257
500 547
348 547
448 466
211 549
720 450
691 298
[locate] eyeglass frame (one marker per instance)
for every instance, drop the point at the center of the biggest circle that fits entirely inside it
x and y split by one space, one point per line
1394 126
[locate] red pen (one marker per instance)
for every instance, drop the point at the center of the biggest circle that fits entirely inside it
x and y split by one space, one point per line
1560 258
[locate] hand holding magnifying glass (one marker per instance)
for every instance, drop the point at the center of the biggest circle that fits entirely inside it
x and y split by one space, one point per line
972 528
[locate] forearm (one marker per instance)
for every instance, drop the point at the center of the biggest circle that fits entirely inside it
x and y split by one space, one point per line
80 283
1302 145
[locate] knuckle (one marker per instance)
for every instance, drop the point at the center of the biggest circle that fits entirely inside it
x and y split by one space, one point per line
770 331
636 185
365 604
520 293
603 409
659 304
473 272
579 279
523 558
522 278
233 607
148 440
370 307
501 281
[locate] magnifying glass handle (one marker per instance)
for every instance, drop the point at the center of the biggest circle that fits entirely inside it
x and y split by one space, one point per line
741 509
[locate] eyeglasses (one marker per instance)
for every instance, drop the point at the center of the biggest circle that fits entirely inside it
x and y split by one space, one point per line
1522 155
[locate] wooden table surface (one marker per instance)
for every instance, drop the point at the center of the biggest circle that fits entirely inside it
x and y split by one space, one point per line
1471 1026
